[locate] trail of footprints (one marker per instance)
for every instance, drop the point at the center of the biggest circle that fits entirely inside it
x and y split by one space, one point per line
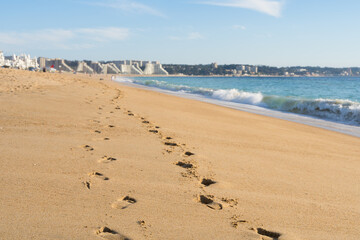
188 163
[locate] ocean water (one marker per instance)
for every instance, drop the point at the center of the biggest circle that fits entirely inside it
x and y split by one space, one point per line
334 99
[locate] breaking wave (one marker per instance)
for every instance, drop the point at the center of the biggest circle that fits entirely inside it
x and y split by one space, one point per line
338 110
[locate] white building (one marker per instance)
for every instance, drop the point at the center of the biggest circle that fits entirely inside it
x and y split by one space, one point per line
2 59
155 68
21 62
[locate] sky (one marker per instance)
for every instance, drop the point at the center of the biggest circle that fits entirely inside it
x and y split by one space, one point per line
257 32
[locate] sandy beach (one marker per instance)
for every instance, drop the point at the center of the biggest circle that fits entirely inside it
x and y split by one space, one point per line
84 158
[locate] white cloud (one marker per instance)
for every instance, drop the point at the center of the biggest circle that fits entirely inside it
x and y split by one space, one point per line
129 6
189 36
270 7
64 39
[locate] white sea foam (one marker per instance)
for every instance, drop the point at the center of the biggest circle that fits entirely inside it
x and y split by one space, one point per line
235 95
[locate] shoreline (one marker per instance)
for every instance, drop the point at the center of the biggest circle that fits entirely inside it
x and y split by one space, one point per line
293 117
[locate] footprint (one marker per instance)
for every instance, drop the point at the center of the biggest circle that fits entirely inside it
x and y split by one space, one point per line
110 234
168 138
184 164
98 175
111 126
153 131
189 154
236 221
146 122
97 131
157 127
230 201
270 234
123 202
117 108
106 139
170 144
88 148
207 182
87 184
209 202
106 159
131 114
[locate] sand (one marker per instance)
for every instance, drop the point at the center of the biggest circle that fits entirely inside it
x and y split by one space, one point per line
84 158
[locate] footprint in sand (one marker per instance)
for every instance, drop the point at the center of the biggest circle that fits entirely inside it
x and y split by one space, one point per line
110 234
117 108
207 182
87 184
230 201
153 131
88 148
209 202
236 221
97 131
184 164
111 126
106 139
106 159
188 154
98 175
270 234
171 144
146 122
123 202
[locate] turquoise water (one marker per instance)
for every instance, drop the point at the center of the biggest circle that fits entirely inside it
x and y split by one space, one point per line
330 98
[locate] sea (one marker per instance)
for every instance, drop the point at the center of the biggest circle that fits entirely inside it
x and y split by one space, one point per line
328 102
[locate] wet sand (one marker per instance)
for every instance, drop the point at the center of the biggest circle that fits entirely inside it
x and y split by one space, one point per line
84 158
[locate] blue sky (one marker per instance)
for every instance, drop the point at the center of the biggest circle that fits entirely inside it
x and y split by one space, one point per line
260 32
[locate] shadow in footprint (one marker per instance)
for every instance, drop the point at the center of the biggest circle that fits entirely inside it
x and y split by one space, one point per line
123 202
110 234
209 202
270 234
87 184
153 131
88 148
106 159
98 175
207 182
170 144
189 154
184 164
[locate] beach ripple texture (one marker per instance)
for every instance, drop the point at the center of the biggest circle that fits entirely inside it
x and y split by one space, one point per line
333 99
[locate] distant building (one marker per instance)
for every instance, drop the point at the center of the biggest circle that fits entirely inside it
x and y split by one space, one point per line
214 65
2 59
59 64
155 68
20 62
253 69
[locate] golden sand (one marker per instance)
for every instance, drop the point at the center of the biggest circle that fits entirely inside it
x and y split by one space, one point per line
84 158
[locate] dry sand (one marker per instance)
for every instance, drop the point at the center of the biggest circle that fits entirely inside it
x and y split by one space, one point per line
82 158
